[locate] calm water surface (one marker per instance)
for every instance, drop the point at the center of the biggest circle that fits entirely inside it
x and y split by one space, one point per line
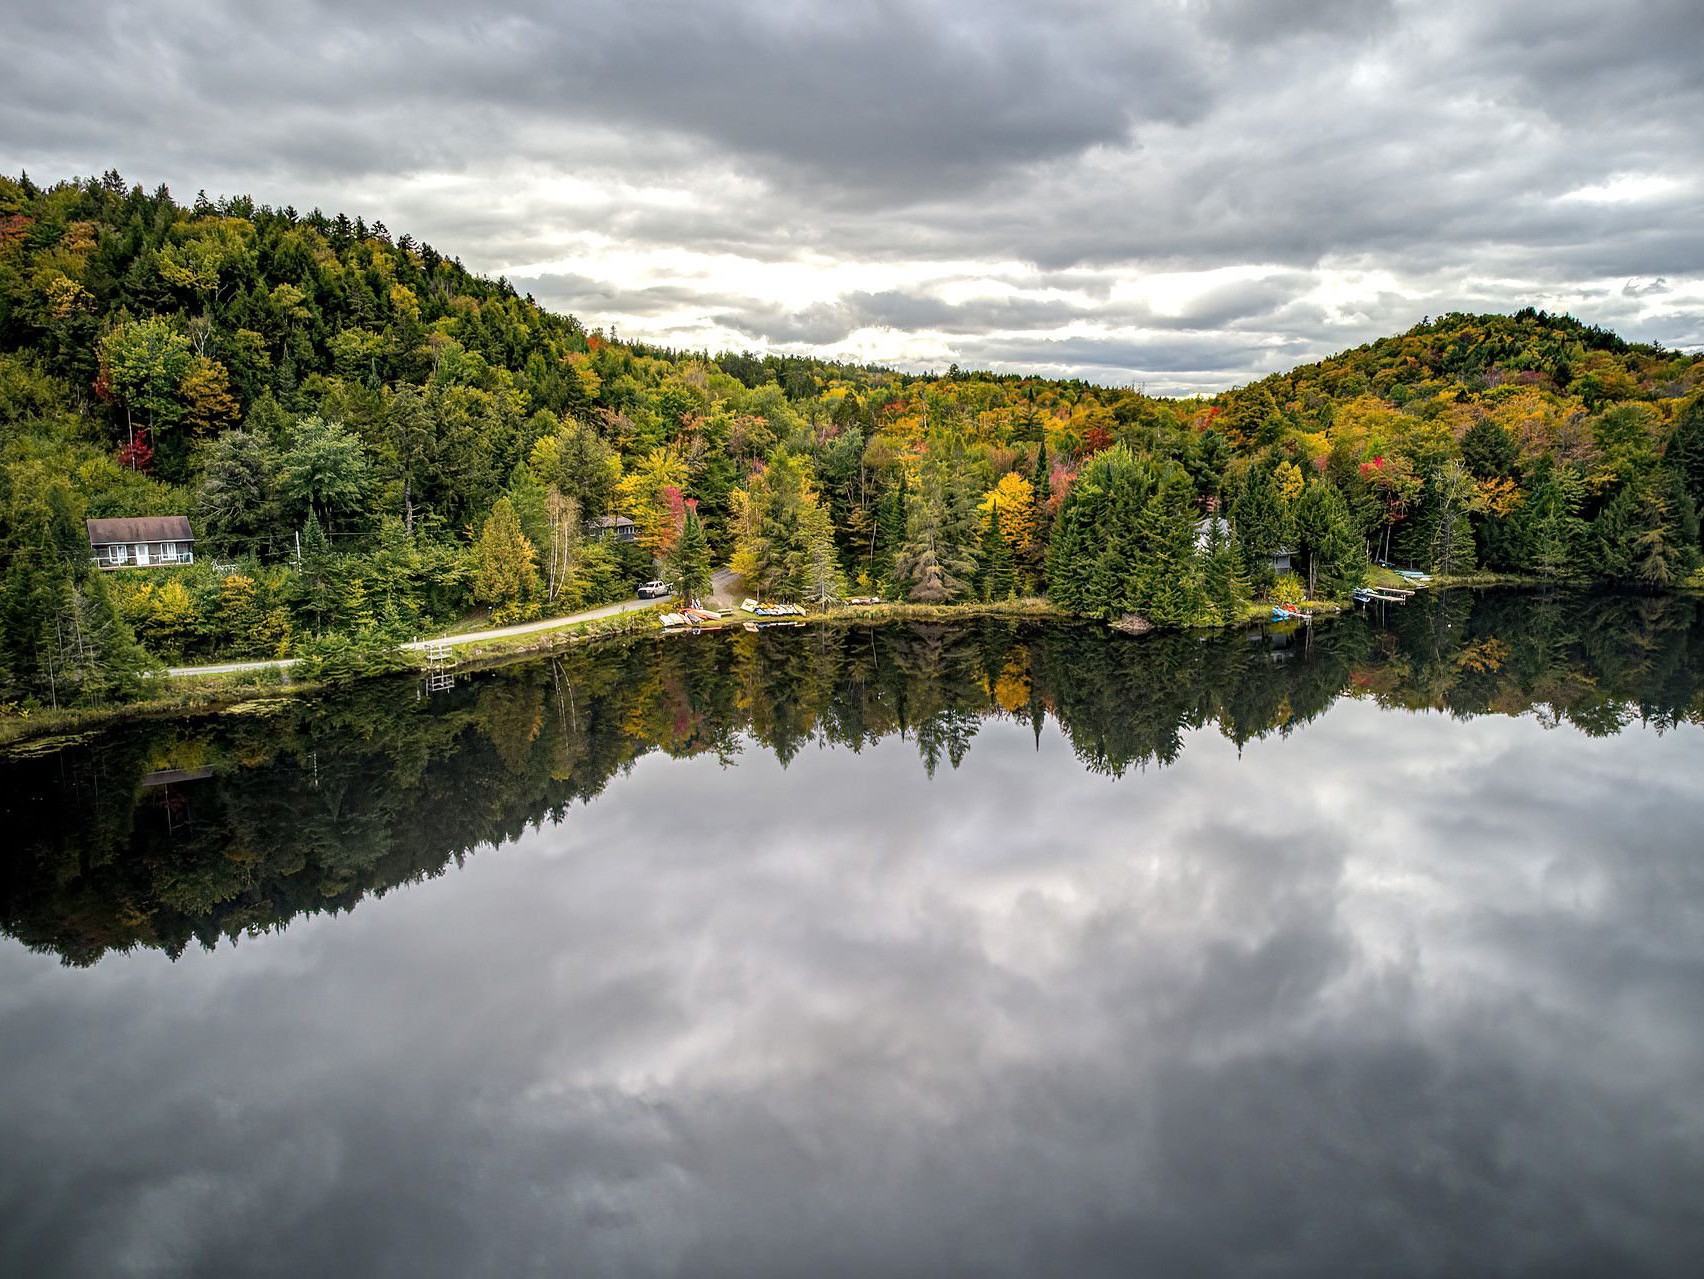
984 949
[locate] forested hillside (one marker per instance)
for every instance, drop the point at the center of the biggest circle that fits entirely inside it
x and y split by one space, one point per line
370 440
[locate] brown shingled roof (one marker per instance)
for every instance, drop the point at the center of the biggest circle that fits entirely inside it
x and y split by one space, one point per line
140 528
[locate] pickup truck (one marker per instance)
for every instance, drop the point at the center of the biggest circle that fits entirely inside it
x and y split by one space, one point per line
654 589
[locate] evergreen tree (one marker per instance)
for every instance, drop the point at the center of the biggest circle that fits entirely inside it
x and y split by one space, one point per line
785 544
1070 552
1488 450
1261 526
234 506
1125 542
1611 535
1685 451
1207 461
1224 577
1447 501
1167 586
936 564
1648 532
528 496
1335 552
688 564
582 466
1041 488
998 578
889 532
99 659
504 574
1547 535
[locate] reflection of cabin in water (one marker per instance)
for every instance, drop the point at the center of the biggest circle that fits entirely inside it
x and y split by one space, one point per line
1218 526
168 776
617 526
167 790
142 541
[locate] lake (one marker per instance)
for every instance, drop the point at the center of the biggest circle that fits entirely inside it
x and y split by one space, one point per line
981 949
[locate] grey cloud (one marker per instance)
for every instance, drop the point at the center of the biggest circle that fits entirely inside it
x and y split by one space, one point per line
1196 353
589 297
1435 142
1237 304
830 322
1256 22
899 97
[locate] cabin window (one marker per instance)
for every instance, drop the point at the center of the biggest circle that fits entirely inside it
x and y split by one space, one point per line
117 554
168 551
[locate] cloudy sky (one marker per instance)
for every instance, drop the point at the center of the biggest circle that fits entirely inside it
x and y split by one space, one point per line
1181 194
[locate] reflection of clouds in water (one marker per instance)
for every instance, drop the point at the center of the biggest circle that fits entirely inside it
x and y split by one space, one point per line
1397 987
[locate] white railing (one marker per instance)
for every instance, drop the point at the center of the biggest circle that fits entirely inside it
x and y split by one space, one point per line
130 559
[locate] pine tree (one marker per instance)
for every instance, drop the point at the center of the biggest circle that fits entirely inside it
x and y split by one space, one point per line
1225 583
889 531
1488 450
785 540
1259 521
1041 486
688 564
528 498
998 580
1335 551
1648 532
1548 534
1441 536
1685 451
1168 586
934 566
1612 534
824 581
1663 553
1069 560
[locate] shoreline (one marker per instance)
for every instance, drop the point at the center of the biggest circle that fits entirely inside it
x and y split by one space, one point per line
233 692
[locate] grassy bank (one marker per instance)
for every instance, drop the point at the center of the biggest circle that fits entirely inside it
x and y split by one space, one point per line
45 728
213 694
1487 577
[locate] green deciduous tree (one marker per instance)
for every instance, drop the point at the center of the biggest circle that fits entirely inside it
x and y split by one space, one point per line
233 504
143 363
324 470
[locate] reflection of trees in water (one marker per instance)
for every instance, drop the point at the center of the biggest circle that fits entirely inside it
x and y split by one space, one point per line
118 843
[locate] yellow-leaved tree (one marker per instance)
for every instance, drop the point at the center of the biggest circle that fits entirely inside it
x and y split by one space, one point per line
644 496
1012 501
